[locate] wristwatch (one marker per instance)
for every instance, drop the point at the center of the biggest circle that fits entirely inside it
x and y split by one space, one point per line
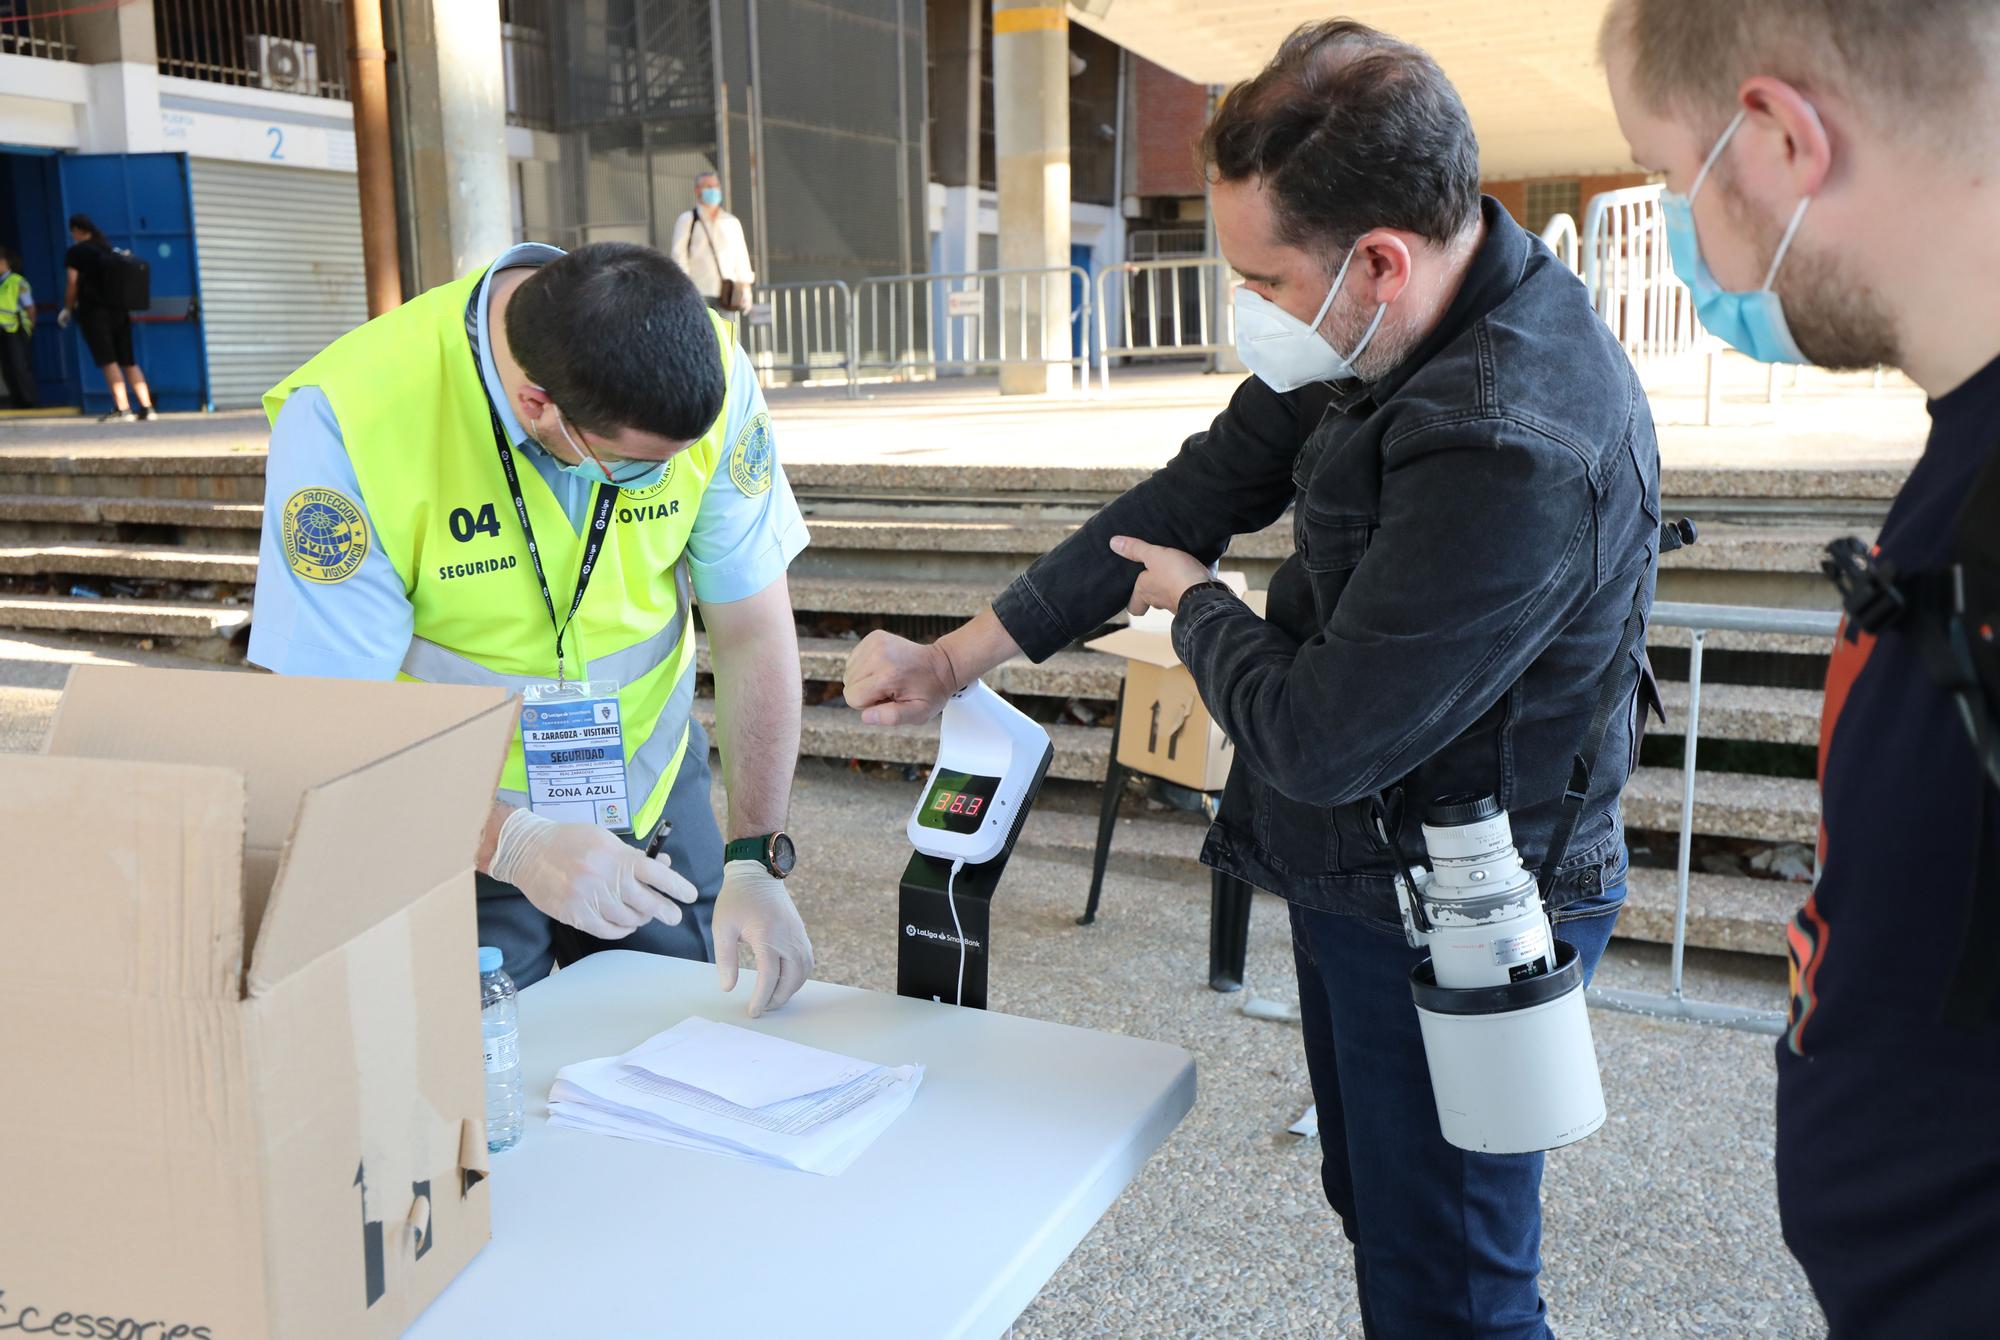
773 851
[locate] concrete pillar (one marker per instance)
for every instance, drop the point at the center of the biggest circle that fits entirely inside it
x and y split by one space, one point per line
1031 145
122 115
456 206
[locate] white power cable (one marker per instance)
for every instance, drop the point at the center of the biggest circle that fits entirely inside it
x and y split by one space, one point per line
951 898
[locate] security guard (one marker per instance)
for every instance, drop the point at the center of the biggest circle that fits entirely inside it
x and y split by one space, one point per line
17 328
521 479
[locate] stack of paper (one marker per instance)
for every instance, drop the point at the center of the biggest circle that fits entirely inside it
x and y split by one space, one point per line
704 1085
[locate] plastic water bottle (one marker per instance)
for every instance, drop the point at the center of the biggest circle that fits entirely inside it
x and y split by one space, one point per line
505 1100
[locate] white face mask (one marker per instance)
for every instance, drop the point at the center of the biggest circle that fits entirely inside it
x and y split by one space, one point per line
1284 352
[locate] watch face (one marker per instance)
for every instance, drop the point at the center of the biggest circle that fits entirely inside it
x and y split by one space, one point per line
783 854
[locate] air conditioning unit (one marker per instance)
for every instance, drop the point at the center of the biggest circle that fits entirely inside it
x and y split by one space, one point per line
285 64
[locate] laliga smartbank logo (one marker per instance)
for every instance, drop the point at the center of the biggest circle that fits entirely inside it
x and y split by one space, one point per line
968 942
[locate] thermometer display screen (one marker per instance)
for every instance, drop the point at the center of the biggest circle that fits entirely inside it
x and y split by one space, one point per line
958 801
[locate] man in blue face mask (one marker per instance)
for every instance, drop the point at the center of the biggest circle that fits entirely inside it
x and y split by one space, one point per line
708 243
1833 185
525 478
1474 493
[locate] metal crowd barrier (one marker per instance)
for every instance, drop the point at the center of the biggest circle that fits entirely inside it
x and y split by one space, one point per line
1154 300
804 330
1560 235
970 321
1700 621
1630 274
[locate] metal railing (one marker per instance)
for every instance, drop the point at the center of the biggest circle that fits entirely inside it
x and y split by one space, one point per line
289 46
1560 235
1700 621
1630 274
970 321
1165 309
35 28
805 331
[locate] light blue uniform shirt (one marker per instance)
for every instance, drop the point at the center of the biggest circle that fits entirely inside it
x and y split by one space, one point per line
360 627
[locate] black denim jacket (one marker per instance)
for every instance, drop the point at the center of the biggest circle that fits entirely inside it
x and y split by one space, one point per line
1470 533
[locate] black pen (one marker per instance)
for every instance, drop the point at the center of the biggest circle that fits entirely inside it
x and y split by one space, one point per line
660 835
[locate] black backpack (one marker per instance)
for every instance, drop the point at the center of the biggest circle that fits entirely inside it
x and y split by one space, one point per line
125 281
1952 612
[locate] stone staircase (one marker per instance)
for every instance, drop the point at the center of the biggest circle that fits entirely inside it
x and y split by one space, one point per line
164 548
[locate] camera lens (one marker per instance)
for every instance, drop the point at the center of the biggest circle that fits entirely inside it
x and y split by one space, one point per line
1460 808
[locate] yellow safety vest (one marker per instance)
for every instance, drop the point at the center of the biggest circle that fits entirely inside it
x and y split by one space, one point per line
407 393
12 314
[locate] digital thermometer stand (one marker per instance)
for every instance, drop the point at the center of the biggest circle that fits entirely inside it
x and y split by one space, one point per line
990 765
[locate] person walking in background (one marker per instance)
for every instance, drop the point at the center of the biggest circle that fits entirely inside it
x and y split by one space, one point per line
708 244
107 327
17 327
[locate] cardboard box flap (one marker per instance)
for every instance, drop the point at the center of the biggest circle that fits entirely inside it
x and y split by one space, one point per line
285 733
371 842
1138 644
121 878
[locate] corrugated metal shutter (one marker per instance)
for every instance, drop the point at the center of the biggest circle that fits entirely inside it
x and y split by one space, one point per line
281 271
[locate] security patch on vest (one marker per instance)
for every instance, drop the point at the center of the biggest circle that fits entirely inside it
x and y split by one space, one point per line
325 535
750 460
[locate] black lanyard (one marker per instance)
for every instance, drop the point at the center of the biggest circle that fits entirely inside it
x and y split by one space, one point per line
600 518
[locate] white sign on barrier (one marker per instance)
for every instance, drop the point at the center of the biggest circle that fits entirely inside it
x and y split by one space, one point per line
965 302
286 143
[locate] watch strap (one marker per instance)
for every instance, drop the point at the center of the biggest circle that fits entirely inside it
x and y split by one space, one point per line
756 849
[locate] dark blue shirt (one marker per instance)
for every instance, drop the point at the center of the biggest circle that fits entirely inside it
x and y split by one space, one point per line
1905 819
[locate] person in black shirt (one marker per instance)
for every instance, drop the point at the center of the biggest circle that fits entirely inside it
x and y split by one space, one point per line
107 328
1876 114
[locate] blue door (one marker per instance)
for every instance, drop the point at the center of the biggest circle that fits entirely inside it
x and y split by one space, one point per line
31 222
143 204
1080 338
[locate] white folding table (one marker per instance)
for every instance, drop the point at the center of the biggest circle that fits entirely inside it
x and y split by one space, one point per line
1022 1135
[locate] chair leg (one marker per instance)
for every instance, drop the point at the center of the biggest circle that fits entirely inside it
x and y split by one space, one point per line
1228 931
1107 820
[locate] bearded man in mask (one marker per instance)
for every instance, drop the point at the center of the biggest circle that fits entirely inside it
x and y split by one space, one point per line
1475 491
1832 185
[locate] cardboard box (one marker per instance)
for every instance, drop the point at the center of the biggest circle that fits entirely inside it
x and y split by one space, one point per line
1163 729
240 1082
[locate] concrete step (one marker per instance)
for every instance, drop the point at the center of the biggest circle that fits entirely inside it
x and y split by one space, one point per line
1727 804
1069 674
1003 535
127 618
833 731
1744 712
1745 915
1722 548
232 477
1724 911
842 595
119 560
98 510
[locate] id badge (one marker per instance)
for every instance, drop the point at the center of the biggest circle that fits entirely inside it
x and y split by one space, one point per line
574 742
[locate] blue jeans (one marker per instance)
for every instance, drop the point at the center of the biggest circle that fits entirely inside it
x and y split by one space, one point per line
1447 1244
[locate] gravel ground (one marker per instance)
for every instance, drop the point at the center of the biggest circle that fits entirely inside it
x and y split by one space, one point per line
1662 1225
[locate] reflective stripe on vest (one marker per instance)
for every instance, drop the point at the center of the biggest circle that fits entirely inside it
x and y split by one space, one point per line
407 393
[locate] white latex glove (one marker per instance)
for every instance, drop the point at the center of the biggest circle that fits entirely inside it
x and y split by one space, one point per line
753 909
585 877
62 318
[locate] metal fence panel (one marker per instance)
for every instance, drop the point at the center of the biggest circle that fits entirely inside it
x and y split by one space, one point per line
803 331
1630 274
971 321
1164 309
289 46
1700 621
